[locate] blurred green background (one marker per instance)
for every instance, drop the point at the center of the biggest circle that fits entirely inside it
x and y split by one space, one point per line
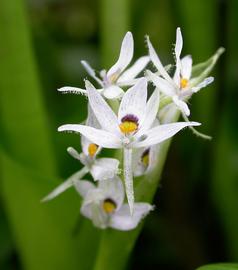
41 45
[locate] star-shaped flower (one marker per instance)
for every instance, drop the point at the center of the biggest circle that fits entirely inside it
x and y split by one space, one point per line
111 81
131 128
104 205
181 86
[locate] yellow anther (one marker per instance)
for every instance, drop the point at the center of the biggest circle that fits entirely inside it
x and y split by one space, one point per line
113 77
109 206
145 160
128 127
92 149
183 83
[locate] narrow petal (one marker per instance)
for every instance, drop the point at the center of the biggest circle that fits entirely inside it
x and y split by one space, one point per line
105 115
73 90
104 168
152 108
164 86
134 100
66 184
178 44
91 72
129 83
74 153
113 92
128 178
186 68
97 136
156 61
203 84
113 189
181 105
126 54
161 133
122 220
136 69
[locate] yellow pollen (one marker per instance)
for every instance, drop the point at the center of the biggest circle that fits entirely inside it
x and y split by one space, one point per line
128 127
113 77
109 206
92 149
183 83
145 160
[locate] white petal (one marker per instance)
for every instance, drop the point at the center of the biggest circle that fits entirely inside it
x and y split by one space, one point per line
163 132
178 44
134 101
128 178
73 90
156 61
126 54
91 72
97 136
133 71
181 105
152 108
164 86
65 185
138 167
113 189
203 84
73 152
92 122
113 92
104 168
105 115
186 67
122 220
129 83
83 187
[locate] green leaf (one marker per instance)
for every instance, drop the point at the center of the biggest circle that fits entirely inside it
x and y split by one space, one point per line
202 70
219 266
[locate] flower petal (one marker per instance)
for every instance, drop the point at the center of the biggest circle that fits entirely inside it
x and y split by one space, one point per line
91 72
178 44
134 101
83 187
161 133
126 54
122 220
134 70
104 168
97 136
66 184
156 61
152 108
113 92
186 67
164 86
73 90
113 189
105 115
203 84
128 178
73 152
181 105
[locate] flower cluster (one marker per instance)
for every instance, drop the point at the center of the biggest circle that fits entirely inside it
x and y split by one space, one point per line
137 123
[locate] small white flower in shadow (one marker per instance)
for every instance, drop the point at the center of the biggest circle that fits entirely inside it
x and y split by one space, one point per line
104 205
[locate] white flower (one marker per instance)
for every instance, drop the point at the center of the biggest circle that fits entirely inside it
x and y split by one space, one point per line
145 159
99 168
130 129
110 82
104 205
181 86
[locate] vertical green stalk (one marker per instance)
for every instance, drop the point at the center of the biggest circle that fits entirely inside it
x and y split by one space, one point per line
27 162
114 17
225 170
